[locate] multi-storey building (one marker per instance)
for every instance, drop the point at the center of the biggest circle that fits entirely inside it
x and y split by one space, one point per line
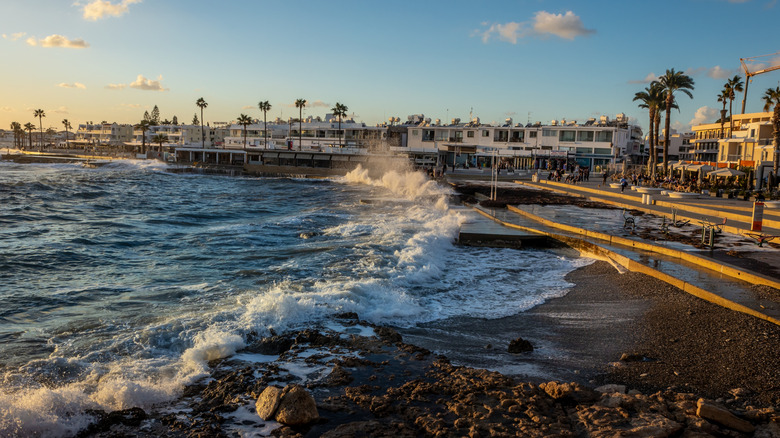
749 144
103 134
592 144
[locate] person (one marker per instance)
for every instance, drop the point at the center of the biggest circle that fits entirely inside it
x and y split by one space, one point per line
623 184
604 177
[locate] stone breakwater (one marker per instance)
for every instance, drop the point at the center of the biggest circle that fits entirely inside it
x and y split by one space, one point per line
380 386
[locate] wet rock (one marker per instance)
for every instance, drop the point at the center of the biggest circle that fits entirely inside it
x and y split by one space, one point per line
126 417
316 339
338 377
296 407
268 402
718 414
520 345
388 335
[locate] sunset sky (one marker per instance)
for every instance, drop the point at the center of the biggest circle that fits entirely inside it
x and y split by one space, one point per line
533 60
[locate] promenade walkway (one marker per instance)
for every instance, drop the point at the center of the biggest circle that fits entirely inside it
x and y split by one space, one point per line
701 272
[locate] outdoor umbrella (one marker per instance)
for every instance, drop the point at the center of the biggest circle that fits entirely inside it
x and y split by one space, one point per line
726 171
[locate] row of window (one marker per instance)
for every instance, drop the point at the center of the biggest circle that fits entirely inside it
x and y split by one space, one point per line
503 135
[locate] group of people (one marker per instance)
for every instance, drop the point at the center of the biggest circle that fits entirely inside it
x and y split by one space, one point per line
579 174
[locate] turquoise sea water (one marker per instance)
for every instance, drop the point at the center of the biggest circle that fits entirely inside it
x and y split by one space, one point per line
119 283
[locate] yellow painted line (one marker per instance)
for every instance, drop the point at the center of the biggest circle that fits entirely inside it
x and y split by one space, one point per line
634 266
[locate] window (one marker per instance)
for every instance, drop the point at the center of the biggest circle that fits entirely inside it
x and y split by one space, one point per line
604 136
584 150
415 132
428 134
585 136
566 135
531 134
470 134
549 133
486 133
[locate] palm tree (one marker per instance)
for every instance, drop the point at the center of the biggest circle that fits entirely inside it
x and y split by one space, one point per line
772 98
265 107
16 127
652 99
339 110
30 128
300 104
202 104
160 138
40 115
673 81
143 125
733 85
67 126
723 97
244 120
51 132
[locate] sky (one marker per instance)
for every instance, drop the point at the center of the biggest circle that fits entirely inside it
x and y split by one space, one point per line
531 60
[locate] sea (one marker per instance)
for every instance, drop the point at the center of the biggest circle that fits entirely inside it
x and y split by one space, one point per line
119 283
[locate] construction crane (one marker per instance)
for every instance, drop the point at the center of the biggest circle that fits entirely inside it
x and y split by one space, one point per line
749 74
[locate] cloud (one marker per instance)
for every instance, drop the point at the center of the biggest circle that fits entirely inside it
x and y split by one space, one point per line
61 110
318 104
14 36
567 26
98 9
248 107
7 109
649 78
140 83
58 41
704 114
73 85
695 71
719 73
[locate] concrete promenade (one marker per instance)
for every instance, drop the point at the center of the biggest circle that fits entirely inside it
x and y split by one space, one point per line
702 273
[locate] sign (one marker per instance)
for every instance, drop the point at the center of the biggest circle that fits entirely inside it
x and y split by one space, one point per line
758 216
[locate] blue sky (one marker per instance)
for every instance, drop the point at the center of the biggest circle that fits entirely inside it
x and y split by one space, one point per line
96 60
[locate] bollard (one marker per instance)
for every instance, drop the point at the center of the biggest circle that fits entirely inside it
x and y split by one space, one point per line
758 216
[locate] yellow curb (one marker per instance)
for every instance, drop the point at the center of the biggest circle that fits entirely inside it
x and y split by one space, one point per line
692 258
634 266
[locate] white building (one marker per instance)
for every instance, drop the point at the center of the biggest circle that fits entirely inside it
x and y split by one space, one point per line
103 134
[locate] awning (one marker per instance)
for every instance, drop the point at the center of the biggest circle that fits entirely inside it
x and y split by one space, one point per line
303 156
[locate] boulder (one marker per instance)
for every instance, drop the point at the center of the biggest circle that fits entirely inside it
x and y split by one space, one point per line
718 414
268 402
571 393
296 407
520 345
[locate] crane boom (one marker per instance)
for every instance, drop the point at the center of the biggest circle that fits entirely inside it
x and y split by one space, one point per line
749 74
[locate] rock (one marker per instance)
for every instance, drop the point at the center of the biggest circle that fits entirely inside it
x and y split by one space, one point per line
740 392
769 430
388 335
272 345
268 402
520 345
610 388
634 357
296 407
718 414
569 392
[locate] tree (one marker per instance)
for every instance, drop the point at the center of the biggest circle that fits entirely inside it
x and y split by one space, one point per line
147 116
67 126
244 120
143 126
195 120
265 107
300 104
339 110
673 81
30 128
155 115
652 99
51 132
772 98
723 97
733 85
160 139
201 104
175 121
16 127
40 114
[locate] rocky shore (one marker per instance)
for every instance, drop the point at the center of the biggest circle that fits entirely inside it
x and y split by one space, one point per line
683 367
